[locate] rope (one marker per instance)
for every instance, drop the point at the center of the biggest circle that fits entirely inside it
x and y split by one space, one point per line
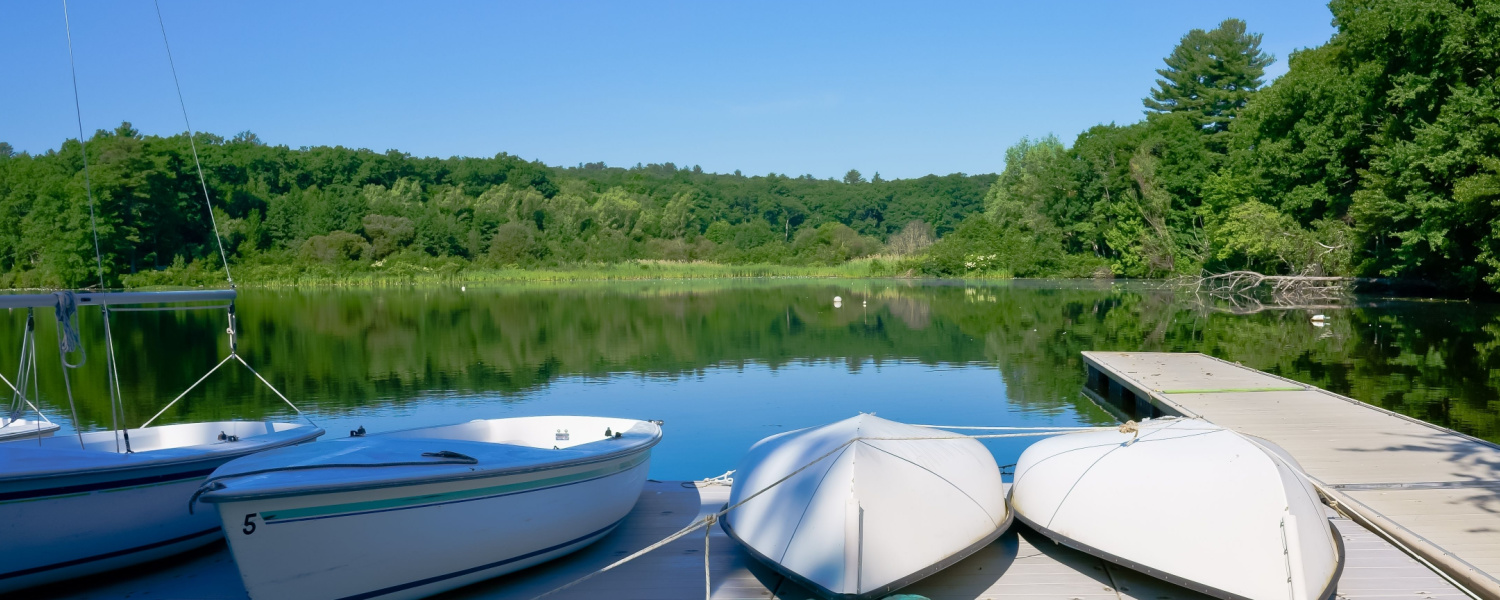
68 340
72 407
273 389
13 416
88 185
234 356
116 397
694 525
724 479
19 401
185 392
213 221
708 590
714 517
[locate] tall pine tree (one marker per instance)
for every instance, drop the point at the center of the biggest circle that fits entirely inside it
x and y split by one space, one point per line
1210 75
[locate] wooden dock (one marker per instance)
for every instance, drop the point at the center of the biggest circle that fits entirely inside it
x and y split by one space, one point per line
1432 490
1020 565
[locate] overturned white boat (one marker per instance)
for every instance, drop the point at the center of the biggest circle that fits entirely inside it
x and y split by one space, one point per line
879 505
1187 501
412 513
94 501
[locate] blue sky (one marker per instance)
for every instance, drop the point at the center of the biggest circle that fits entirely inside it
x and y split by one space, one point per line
798 87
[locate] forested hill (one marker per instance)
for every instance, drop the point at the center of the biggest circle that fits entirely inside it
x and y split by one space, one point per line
362 209
1377 154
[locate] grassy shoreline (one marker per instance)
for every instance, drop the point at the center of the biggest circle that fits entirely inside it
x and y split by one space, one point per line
279 276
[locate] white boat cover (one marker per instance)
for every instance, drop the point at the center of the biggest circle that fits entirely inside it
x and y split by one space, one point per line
1187 501
15 429
892 504
478 449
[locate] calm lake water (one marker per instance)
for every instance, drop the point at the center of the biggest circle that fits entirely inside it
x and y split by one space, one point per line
726 363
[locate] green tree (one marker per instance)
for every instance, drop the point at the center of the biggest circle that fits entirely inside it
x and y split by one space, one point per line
1211 75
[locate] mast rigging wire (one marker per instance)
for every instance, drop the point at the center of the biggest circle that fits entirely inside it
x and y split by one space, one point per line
213 221
116 401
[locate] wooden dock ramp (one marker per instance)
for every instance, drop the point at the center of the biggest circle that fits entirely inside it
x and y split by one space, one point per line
1431 490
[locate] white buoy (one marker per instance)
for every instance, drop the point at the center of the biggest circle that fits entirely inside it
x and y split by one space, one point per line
463 288
837 301
1320 318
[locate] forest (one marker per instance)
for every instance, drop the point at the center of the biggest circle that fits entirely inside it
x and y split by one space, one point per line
1376 155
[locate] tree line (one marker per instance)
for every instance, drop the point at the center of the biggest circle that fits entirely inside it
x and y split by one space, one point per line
358 209
1377 154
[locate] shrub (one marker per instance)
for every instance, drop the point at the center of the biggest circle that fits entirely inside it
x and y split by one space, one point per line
337 246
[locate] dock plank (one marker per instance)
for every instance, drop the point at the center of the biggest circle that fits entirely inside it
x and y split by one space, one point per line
1436 490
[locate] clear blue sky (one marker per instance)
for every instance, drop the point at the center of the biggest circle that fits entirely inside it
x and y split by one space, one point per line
905 89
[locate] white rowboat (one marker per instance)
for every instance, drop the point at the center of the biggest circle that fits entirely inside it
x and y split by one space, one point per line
68 511
887 504
412 513
1187 501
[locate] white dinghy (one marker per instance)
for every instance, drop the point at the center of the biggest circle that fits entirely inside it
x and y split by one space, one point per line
882 504
411 513
22 427
67 511
1187 501
93 501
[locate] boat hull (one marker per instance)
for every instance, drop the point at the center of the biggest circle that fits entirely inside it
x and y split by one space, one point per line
412 541
1185 501
863 507
89 520
883 590
21 429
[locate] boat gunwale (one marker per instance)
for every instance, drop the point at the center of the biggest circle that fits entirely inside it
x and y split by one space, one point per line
1329 588
227 495
885 589
274 516
252 446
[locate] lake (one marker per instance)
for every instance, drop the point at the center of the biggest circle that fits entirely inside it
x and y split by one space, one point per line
728 362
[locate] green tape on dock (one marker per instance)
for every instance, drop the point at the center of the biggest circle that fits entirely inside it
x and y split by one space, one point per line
1228 390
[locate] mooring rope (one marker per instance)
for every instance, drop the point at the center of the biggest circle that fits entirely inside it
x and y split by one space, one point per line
708 590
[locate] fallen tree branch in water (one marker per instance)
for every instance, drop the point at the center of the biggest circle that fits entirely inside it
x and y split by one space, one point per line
1245 292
